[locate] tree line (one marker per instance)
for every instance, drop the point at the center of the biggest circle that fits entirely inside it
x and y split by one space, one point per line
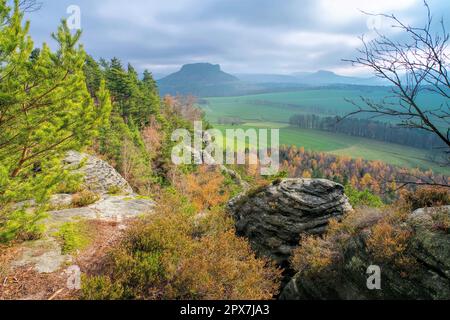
365 128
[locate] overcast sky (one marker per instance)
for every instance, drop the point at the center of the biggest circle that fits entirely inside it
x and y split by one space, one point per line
244 36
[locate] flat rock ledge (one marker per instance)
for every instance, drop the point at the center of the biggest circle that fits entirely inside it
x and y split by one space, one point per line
109 208
45 255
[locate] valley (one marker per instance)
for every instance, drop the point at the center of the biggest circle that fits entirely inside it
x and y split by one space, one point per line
273 110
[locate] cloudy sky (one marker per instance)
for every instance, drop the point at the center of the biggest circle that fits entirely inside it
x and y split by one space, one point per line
244 36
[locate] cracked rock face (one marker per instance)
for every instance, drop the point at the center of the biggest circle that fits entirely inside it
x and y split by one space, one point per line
99 176
274 217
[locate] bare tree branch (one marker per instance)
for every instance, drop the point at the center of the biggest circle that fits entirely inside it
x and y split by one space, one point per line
411 67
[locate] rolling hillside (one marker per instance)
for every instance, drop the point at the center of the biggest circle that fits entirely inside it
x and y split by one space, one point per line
273 110
354 147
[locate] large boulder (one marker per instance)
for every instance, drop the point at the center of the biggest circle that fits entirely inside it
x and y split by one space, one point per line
426 277
99 176
274 217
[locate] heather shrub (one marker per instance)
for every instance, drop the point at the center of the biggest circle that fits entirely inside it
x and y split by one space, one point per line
385 235
388 243
314 255
178 254
441 220
84 198
425 197
205 187
100 288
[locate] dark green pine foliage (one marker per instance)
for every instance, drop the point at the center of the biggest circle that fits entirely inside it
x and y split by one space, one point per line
135 99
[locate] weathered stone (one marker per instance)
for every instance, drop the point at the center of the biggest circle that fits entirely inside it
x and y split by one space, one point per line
427 278
274 217
110 208
99 176
44 255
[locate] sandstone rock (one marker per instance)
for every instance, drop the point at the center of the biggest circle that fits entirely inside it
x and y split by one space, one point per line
99 176
274 217
44 255
427 278
109 208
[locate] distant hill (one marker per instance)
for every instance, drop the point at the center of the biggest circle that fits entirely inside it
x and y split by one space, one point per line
208 80
200 79
267 78
318 78
324 77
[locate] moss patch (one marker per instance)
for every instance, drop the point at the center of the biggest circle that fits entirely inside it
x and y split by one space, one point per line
74 236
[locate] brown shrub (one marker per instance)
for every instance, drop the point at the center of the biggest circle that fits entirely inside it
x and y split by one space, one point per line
385 234
84 198
223 266
441 220
425 197
205 188
388 243
153 136
175 254
314 255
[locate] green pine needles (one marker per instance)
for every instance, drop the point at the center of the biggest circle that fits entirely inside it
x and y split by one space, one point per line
45 110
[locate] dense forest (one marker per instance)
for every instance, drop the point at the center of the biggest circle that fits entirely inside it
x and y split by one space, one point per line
365 128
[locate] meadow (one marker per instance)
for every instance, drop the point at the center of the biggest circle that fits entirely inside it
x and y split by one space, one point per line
280 106
273 110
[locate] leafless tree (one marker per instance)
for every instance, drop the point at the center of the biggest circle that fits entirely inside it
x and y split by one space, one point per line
30 5
25 6
412 66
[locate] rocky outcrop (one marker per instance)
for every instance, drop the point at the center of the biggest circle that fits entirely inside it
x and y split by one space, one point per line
274 217
99 176
426 277
45 255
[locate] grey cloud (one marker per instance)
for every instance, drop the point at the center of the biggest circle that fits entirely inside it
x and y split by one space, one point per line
242 35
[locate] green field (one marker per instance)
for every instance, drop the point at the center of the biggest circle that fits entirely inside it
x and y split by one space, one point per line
279 107
354 147
273 110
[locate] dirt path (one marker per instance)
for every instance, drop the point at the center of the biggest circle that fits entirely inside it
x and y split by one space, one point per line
25 283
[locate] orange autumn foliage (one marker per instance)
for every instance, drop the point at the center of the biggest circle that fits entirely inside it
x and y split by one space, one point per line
205 188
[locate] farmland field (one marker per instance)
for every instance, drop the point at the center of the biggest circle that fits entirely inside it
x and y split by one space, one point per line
274 110
355 147
280 106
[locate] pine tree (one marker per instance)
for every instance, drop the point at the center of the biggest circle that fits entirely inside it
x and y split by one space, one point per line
45 110
93 75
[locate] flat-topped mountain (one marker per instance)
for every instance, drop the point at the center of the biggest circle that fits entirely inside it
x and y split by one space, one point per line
197 79
199 72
